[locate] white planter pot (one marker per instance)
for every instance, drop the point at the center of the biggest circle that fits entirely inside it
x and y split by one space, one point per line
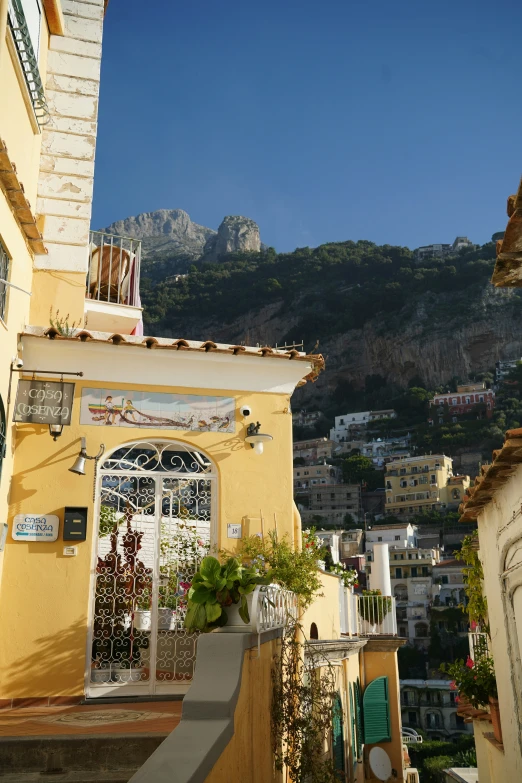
234 623
142 620
101 675
167 619
120 675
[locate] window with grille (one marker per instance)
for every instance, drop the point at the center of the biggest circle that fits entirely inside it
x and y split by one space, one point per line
4 275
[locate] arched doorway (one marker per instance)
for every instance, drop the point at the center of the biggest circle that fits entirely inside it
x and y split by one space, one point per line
156 512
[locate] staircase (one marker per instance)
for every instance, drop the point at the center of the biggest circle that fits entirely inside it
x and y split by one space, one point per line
75 759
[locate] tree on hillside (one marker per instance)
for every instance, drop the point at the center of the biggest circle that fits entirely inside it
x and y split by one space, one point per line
359 470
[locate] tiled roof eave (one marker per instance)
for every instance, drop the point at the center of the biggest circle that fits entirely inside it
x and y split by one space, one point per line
14 193
493 476
167 344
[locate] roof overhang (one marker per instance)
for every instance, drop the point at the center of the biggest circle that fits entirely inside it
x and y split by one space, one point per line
160 362
54 14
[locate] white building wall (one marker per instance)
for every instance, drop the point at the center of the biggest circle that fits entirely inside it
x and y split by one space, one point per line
65 185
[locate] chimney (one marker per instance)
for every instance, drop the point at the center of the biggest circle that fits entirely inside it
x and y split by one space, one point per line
380 576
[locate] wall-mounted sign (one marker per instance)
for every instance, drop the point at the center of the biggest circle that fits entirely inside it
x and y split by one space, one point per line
140 409
35 527
44 402
234 531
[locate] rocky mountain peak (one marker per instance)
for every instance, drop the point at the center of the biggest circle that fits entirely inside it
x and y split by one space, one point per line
236 233
164 230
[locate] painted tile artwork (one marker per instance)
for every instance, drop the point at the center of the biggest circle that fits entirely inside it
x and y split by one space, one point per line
124 408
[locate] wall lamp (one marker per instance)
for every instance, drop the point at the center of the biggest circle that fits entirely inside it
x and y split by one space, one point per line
255 438
55 430
79 463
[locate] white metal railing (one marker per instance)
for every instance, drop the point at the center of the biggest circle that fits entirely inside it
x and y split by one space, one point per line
376 615
114 269
409 739
478 644
273 607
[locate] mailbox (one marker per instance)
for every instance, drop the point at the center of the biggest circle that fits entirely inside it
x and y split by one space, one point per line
75 523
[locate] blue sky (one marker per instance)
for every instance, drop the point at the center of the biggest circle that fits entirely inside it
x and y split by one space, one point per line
395 121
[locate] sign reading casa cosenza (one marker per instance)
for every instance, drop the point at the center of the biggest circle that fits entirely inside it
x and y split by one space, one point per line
44 402
35 527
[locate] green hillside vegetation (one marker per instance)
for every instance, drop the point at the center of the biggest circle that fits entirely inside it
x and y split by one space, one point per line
337 286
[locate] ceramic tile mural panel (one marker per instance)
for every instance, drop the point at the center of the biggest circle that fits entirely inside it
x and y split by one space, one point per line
139 409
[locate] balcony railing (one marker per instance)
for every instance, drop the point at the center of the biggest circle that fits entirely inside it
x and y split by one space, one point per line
273 607
376 615
113 275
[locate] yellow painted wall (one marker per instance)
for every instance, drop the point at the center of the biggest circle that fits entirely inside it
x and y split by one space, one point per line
65 291
23 143
491 761
324 611
248 755
47 595
383 663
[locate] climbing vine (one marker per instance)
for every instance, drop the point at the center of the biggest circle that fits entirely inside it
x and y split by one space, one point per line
303 693
477 607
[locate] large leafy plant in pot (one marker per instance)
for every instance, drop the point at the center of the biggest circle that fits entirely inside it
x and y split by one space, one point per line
219 585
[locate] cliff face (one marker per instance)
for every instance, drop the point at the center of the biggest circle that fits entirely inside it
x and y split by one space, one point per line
235 234
171 231
436 341
165 230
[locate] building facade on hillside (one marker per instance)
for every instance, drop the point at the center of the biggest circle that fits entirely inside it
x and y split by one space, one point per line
471 398
314 450
449 574
350 425
440 251
417 485
306 418
331 503
411 574
504 368
381 451
430 705
352 543
311 475
395 535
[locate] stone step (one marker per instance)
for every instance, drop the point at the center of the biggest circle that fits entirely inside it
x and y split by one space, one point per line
116 776
48 757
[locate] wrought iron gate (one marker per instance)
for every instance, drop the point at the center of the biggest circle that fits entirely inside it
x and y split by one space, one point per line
156 512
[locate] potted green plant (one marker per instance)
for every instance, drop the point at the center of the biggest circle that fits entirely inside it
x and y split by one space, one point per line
220 593
476 682
373 607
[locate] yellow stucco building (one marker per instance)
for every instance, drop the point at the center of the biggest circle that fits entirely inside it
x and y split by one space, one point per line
418 485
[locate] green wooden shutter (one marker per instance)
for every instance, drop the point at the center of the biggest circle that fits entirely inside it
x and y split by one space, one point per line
376 708
352 723
358 718
338 735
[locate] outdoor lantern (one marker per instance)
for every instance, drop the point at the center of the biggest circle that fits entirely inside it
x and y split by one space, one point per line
255 438
79 463
55 430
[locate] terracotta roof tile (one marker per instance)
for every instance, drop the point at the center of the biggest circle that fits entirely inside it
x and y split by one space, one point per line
165 343
493 476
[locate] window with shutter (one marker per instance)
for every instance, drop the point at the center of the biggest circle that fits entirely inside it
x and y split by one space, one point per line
376 709
358 718
353 722
338 735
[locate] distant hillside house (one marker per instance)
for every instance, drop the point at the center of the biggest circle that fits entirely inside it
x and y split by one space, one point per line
314 449
464 401
417 485
440 250
347 426
306 418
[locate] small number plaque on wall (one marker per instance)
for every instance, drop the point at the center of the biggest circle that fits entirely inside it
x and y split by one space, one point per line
234 530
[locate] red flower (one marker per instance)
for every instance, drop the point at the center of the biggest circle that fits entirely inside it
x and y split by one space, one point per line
356 584
457 699
308 546
453 687
469 663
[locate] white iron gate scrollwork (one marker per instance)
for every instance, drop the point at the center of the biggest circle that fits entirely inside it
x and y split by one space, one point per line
156 511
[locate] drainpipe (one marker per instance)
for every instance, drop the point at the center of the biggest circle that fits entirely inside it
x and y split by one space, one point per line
3 28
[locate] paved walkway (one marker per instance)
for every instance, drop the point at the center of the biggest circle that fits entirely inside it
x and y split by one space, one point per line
138 718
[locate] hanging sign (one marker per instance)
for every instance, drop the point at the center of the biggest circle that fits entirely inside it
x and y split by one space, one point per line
35 527
44 402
